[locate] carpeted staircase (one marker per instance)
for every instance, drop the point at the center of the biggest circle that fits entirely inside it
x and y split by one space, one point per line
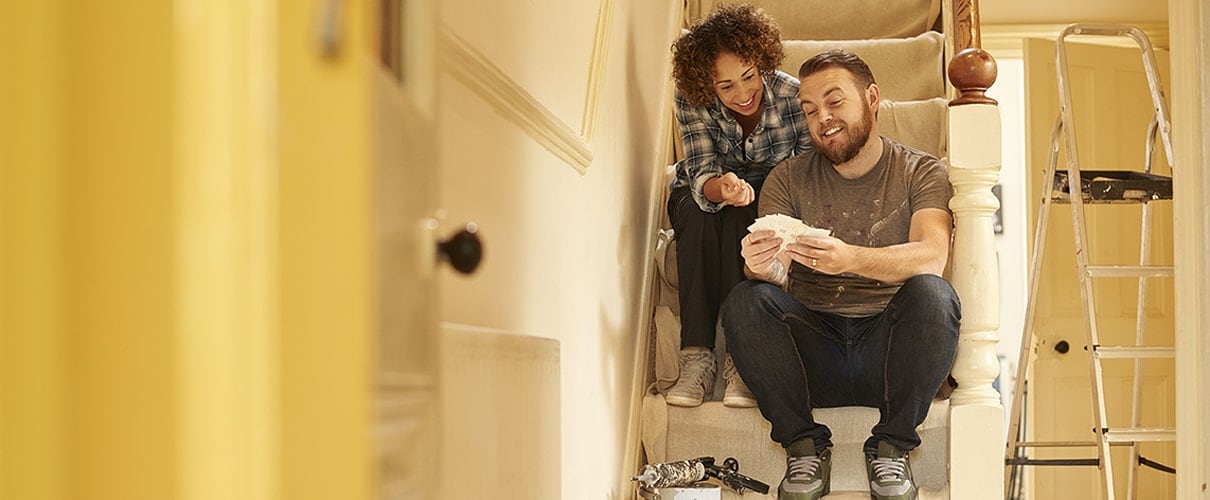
907 57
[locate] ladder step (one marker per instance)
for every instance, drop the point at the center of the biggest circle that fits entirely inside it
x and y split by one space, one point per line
1053 461
1055 444
1129 271
1063 199
1115 185
1134 352
1137 435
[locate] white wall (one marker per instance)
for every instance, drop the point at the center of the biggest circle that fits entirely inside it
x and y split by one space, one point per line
1011 244
566 244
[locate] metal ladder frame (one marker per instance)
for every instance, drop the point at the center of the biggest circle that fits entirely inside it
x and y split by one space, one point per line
1104 436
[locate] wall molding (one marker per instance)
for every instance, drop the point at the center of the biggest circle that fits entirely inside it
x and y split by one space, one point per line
596 71
475 70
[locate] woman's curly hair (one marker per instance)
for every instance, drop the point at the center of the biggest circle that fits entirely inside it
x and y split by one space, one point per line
743 29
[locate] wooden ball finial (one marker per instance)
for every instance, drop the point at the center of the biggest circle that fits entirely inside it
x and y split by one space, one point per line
972 72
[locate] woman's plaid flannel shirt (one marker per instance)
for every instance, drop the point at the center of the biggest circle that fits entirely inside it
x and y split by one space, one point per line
714 145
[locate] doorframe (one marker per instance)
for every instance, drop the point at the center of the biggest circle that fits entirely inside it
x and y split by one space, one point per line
225 67
1189 22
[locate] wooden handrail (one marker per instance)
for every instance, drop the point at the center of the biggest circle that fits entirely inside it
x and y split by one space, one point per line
966 25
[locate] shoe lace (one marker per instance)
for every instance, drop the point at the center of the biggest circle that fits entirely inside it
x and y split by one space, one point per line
729 371
803 468
889 469
694 366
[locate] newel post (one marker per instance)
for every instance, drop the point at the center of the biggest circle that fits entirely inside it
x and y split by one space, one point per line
976 416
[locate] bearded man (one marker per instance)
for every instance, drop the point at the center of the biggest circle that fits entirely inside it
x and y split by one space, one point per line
861 317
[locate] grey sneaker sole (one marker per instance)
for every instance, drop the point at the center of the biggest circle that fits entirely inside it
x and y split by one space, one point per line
910 496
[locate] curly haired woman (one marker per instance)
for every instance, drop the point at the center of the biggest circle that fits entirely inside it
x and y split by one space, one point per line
739 117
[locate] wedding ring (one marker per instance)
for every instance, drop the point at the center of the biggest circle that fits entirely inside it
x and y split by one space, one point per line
814 262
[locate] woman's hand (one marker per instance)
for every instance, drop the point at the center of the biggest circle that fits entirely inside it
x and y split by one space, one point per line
731 190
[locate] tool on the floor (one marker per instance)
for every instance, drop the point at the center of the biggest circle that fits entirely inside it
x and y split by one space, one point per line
690 472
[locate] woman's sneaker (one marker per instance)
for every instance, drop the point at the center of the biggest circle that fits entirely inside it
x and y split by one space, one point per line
737 394
696 379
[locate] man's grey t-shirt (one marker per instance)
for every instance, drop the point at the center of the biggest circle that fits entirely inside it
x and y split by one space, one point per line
874 210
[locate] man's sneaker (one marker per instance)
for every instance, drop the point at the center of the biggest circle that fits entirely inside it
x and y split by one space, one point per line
890 474
808 476
696 379
737 394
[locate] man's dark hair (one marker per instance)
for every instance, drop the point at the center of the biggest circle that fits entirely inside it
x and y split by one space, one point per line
743 29
837 58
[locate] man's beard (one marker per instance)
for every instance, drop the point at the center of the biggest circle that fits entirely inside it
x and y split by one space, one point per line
858 135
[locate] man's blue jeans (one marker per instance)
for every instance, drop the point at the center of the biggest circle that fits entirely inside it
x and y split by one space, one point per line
795 359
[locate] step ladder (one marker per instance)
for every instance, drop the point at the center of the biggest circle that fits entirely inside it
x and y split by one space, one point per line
1078 188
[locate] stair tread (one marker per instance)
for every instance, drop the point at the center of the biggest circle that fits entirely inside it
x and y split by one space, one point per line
744 434
924 494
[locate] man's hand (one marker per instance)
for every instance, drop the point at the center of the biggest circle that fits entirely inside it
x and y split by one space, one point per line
825 254
760 249
729 189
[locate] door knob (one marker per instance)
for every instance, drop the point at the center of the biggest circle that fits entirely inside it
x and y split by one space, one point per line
463 250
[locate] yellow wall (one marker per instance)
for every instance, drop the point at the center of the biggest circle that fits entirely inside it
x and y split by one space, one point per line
1090 11
180 318
119 252
87 219
32 350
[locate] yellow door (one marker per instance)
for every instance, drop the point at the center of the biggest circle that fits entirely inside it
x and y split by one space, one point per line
359 197
1112 109
368 79
217 270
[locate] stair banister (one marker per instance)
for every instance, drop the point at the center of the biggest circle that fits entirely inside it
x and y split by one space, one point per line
976 415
